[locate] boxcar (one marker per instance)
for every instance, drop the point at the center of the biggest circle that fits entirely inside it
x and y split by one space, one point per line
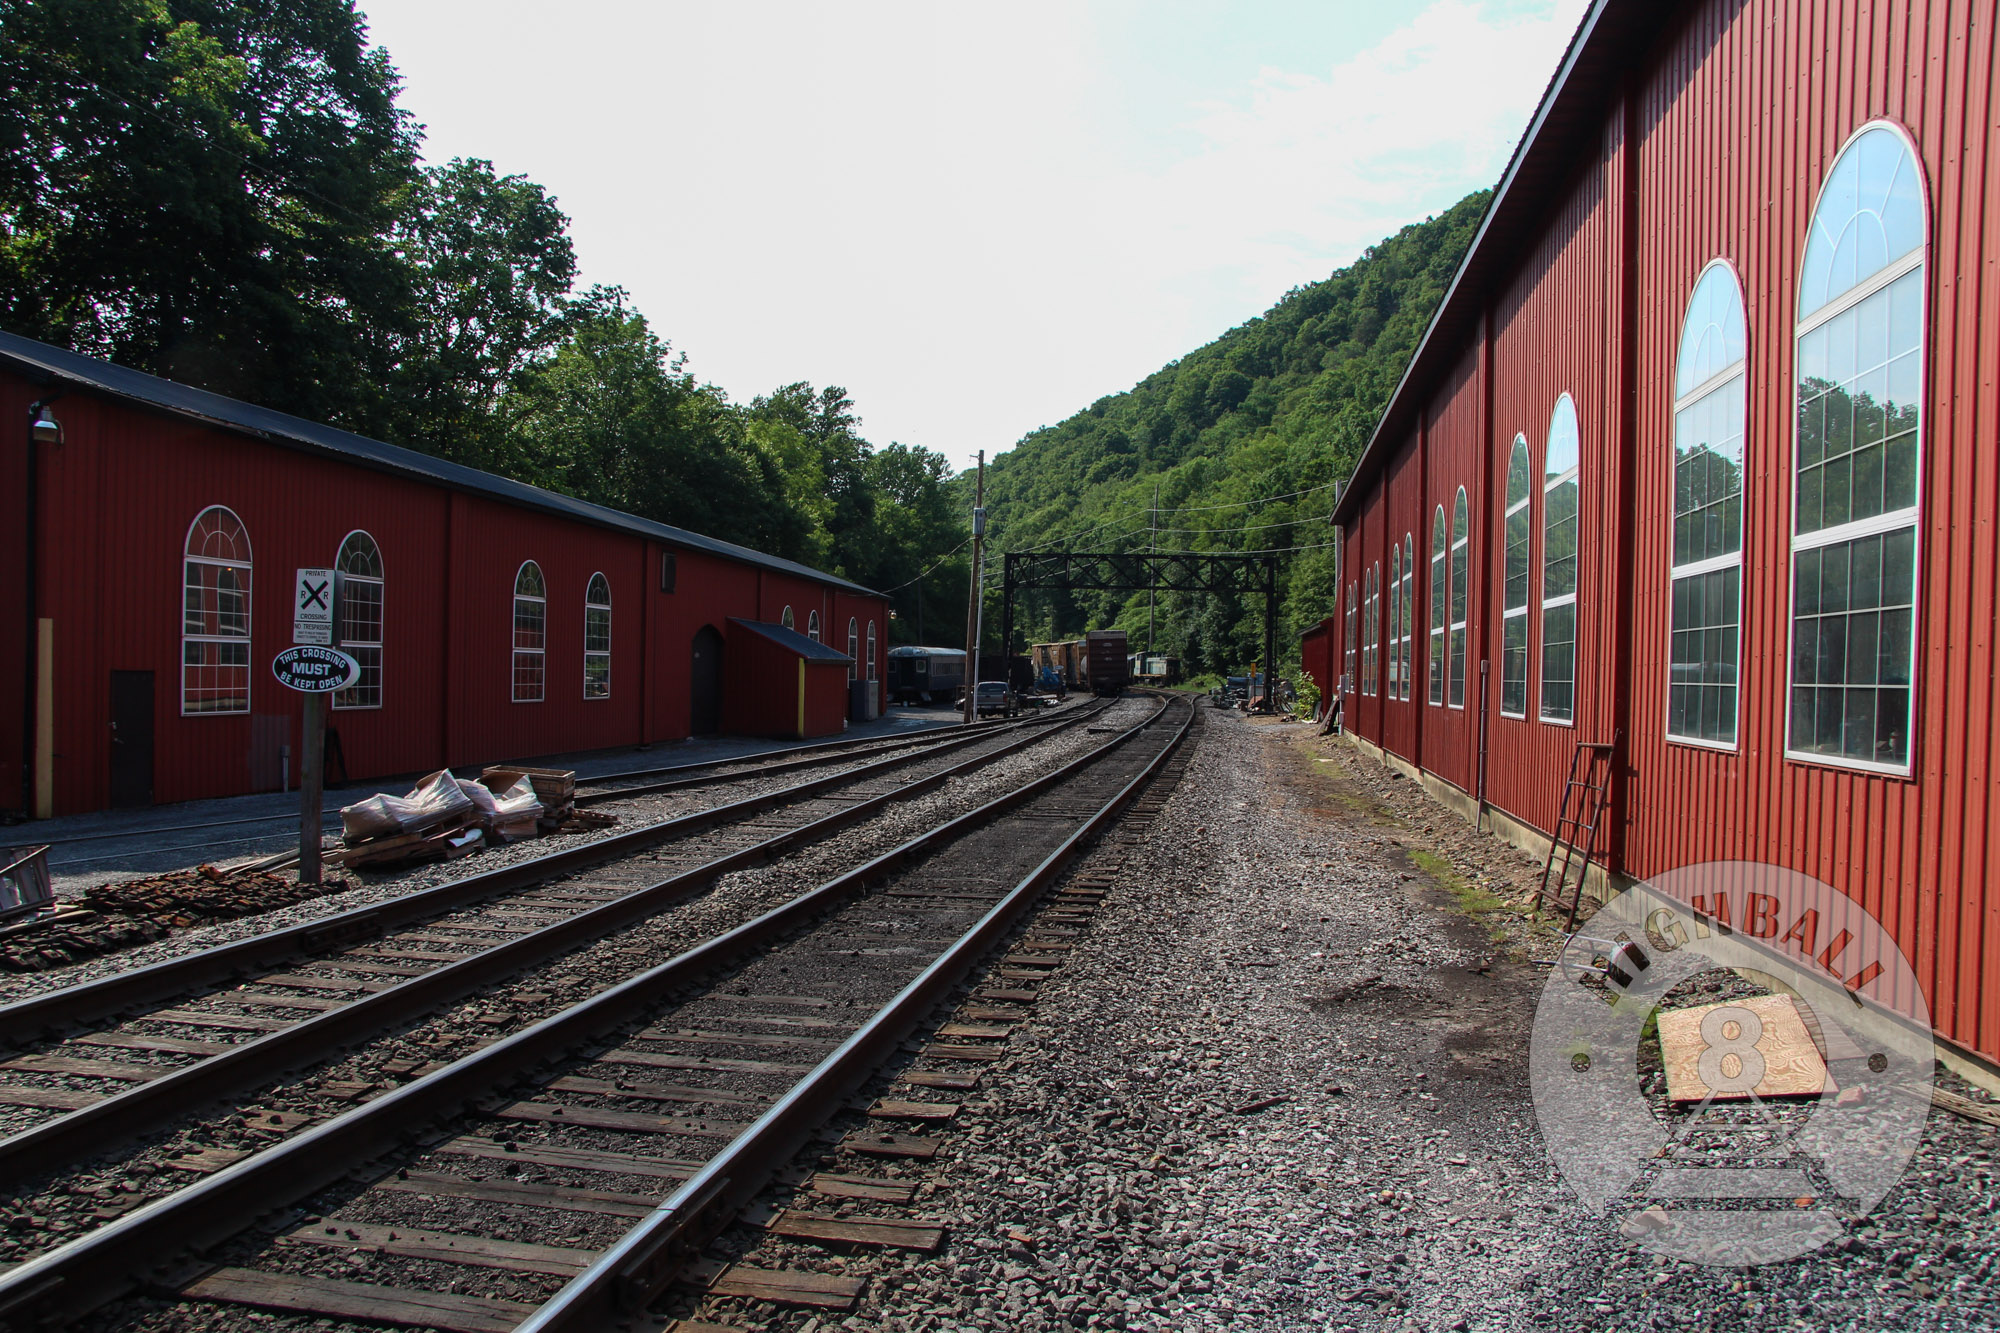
1105 661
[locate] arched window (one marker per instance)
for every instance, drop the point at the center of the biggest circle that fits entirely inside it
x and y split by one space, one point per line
531 634
853 649
597 638
1857 458
786 619
871 650
360 567
1706 586
1353 653
1520 524
1395 621
812 626
215 615
1406 616
1371 632
1561 471
1440 542
1461 538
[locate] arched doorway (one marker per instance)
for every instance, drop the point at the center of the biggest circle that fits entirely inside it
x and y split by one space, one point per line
705 681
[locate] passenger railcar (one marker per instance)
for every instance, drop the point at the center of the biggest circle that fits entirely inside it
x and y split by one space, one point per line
925 675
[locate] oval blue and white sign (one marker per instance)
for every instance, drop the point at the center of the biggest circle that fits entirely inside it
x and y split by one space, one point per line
315 670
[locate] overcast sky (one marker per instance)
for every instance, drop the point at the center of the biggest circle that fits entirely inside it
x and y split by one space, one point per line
976 219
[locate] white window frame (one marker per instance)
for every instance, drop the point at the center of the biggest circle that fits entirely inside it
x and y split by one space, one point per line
1408 612
514 634
1517 452
785 618
1395 621
1909 517
1736 373
812 626
1371 633
592 654
1439 595
1572 474
871 650
245 639
1461 590
343 700
1352 653
853 649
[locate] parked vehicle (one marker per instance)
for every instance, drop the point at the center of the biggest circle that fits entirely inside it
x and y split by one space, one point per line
926 675
995 698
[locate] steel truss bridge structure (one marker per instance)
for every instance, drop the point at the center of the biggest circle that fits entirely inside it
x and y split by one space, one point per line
1145 571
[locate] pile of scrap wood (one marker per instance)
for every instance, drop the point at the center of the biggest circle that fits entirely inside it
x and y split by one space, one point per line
447 817
119 916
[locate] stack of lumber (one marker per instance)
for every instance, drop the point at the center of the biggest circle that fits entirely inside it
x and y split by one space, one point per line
118 916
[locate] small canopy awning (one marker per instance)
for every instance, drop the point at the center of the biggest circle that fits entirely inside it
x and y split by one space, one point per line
790 639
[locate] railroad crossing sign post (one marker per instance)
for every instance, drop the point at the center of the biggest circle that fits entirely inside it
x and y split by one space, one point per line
315 671
1139 571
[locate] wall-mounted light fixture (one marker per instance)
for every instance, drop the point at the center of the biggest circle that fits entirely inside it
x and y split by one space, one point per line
47 430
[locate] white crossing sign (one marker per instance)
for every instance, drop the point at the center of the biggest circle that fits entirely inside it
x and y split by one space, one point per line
312 607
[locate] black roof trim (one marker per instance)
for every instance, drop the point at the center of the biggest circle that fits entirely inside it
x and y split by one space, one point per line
44 363
1604 47
790 639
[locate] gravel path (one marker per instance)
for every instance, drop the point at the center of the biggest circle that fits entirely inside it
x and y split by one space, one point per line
1281 1084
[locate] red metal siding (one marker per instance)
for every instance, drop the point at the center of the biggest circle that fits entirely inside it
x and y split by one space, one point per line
1743 117
117 500
1552 330
1400 719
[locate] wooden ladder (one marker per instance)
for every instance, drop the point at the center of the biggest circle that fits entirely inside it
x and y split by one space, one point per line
1584 796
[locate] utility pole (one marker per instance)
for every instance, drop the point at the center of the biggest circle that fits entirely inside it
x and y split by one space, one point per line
1153 593
972 607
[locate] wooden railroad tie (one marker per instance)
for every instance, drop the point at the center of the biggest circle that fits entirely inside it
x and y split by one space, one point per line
332 1298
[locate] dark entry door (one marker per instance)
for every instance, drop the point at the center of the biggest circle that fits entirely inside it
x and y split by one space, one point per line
131 738
705 717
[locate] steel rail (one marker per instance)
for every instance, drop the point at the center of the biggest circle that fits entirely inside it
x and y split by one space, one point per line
88 1130
642 1263
828 752
78 1277
52 1012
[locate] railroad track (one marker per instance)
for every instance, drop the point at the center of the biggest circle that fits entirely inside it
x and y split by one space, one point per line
136 1049
516 1169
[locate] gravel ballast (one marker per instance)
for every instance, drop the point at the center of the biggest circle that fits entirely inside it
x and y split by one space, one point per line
1281 1083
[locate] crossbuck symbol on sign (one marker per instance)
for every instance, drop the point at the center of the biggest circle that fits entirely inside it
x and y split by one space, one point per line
313 594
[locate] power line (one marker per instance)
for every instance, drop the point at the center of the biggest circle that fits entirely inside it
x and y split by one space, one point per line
933 568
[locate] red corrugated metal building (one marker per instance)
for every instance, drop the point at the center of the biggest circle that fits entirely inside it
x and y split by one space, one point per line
494 620
1697 458
793 686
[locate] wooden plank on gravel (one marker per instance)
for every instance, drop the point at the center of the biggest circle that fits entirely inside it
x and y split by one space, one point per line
445 1247
329 1297
807 1001
204 1161
1016 995
737 1038
65 1064
862 1187
576 1159
658 1092
303 982
788 1286
903 1233
1029 960
948 1051
634 1122
991 1014
129 1042
935 1078
975 1030
654 1060
877 1144
287 1001
50 1099
696 1326
888 1109
563 1198
196 1018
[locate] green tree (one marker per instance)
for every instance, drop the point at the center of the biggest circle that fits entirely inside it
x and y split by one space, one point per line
204 190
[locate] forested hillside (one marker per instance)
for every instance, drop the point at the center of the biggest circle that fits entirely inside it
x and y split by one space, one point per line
1243 439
